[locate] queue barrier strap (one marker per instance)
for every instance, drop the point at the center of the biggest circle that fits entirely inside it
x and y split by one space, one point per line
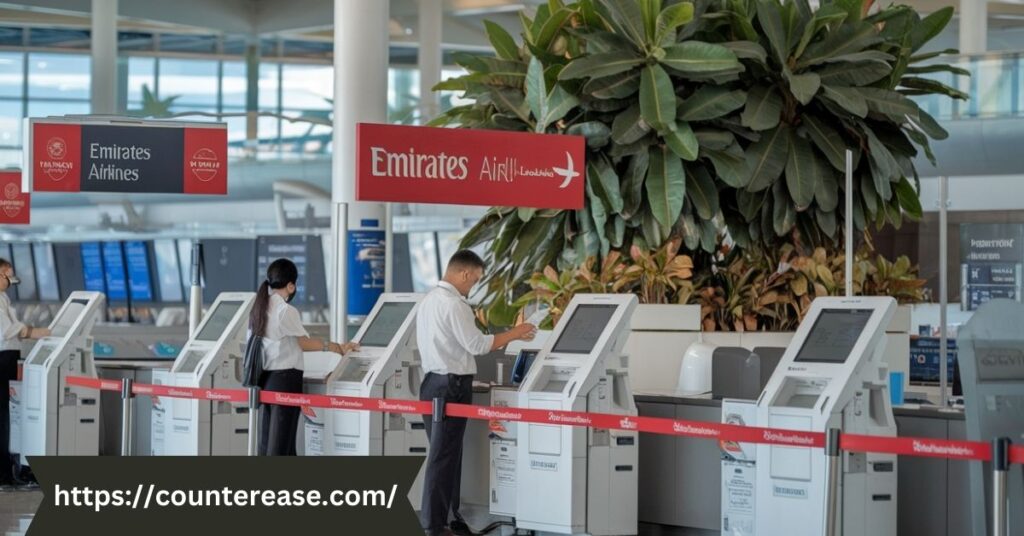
724 433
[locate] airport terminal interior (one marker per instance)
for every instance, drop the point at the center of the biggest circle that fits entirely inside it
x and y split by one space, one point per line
690 295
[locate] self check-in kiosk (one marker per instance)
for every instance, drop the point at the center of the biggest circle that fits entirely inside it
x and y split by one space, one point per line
385 366
832 375
56 418
588 476
211 359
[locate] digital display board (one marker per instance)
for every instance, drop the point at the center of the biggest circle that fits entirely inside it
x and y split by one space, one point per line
306 251
46 272
92 267
21 258
113 268
140 283
227 267
68 260
168 271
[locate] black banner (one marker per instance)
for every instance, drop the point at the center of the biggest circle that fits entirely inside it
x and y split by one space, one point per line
179 495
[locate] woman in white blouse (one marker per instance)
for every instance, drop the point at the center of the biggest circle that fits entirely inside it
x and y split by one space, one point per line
284 341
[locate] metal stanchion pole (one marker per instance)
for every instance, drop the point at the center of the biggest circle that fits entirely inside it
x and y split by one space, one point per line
833 473
126 417
1000 500
438 414
254 420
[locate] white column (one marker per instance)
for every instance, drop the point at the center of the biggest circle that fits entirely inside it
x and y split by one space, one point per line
360 96
973 26
430 58
103 82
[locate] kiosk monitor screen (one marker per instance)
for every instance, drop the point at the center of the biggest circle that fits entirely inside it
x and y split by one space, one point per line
70 313
386 323
191 361
217 321
583 329
522 365
833 335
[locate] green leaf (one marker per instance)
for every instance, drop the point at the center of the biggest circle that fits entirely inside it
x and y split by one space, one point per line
828 141
558 103
763 110
682 141
633 184
599 213
713 138
847 39
854 73
625 18
938 68
671 18
769 14
930 55
596 132
849 99
510 101
605 183
826 14
783 215
525 214
710 102
701 190
691 232
884 168
551 27
747 50
666 185
699 57
657 98
709 236
730 165
502 42
628 127
826 191
930 126
868 192
766 158
530 237
536 92
617 86
598 65
887 102
801 171
826 221
930 27
932 86
804 86
909 198
866 55
750 203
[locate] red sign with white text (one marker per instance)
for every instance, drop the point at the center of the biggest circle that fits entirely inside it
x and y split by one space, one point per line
14 204
469 167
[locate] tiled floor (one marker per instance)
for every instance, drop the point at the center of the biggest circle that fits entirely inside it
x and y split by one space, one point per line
17 509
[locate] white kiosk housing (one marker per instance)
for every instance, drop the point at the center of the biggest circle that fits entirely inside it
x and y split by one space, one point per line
833 375
56 418
385 366
212 359
588 477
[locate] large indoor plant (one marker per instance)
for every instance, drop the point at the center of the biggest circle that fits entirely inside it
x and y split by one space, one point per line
703 117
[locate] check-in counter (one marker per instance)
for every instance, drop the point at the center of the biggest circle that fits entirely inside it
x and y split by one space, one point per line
680 476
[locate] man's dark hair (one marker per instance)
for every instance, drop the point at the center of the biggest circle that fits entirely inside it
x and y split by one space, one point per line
465 259
4 263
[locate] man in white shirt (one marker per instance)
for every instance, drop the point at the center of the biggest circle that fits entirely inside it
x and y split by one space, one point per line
12 331
449 341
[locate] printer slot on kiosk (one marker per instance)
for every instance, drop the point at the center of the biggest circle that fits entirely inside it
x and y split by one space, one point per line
58 419
832 375
589 476
211 359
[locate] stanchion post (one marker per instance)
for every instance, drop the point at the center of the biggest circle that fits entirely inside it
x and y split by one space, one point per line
438 413
126 417
254 420
833 472
1000 500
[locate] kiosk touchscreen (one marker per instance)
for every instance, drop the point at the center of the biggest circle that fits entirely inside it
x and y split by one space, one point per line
832 375
211 359
385 366
59 419
590 476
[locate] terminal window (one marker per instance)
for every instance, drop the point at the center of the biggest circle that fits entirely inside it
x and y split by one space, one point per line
834 335
385 324
583 329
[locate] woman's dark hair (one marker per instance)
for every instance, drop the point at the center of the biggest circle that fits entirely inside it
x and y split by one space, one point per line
279 274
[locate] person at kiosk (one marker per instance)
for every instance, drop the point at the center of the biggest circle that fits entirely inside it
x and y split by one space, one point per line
449 340
13 332
284 341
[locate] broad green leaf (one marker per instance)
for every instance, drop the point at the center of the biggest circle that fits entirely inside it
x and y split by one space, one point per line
708 235
715 139
625 18
938 68
536 92
764 107
783 214
868 192
699 57
598 65
671 18
511 101
747 50
909 198
596 132
866 55
826 221
472 62
826 190
826 15
691 231
530 237
710 102
766 158
558 103
615 231
657 98
551 27
633 184
930 126
701 190
847 39
854 73
750 203
730 165
859 219
887 102
769 14
804 86
599 212
629 126
652 230
828 141
884 168
849 99
526 214
853 8
801 171
930 27
682 141
649 12
921 140
605 182
618 86
502 42
932 86
666 185
931 55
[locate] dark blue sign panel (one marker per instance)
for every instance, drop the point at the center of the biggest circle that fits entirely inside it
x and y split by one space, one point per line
924 359
139 282
365 270
113 265
92 267
307 254
131 159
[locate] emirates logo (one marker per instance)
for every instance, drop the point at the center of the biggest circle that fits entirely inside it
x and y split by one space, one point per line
57 148
56 167
205 165
12 205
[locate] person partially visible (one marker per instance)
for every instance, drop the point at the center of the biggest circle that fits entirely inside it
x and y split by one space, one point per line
13 331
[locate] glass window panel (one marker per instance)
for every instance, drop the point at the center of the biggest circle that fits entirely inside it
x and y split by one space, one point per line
59 38
64 76
304 136
11 73
134 41
141 72
269 86
307 87
10 122
267 129
187 43
423 257
307 49
11 37
236 124
10 158
46 108
233 84
194 82
234 45
994 87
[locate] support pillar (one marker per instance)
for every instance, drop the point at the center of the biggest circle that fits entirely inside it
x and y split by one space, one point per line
103 45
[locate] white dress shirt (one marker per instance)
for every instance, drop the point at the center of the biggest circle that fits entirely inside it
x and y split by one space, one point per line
10 326
446 333
281 349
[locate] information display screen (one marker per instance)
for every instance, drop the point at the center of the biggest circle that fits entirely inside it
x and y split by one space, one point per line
46 272
113 269
140 283
386 323
833 335
68 258
583 329
21 257
62 325
92 267
307 254
227 267
168 271
217 320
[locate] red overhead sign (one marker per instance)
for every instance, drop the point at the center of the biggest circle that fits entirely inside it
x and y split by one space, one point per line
469 167
130 156
14 204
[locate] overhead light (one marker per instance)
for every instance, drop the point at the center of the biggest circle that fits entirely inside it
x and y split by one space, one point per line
489 10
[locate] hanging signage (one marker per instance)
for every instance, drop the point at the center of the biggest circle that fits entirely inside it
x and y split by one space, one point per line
14 204
82 154
469 167
992 260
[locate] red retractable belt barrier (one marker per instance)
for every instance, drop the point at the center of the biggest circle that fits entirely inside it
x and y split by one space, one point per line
1017 455
217 395
386 405
917 446
94 383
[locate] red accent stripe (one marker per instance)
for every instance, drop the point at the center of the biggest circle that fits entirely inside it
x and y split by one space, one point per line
917 446
218 395
1017 455
93 383
386 405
